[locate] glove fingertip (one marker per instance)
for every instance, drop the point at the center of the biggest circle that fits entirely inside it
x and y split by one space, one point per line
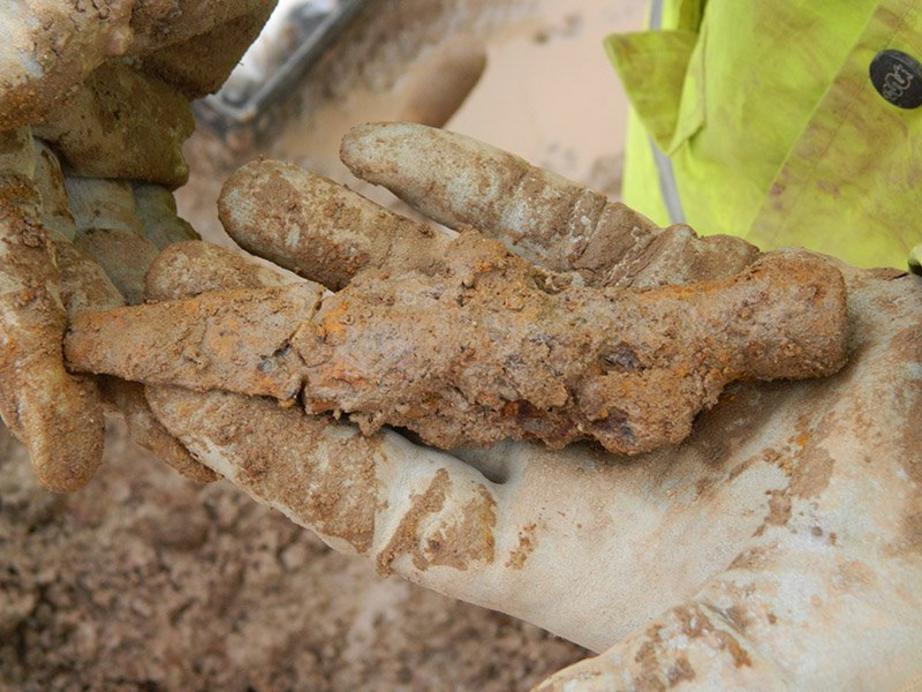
65 437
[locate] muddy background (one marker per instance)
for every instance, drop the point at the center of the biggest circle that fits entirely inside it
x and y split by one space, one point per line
146 581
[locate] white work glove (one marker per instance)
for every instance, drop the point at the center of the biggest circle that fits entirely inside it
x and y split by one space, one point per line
779 546
94 108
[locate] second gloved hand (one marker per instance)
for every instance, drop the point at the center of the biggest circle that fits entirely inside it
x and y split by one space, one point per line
776 547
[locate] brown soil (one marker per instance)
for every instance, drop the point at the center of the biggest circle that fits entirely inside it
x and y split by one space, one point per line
145 581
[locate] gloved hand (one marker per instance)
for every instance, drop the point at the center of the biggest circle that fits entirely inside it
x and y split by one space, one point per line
94 107
778 546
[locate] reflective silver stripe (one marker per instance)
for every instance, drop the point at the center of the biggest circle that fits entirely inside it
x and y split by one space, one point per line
656 14
667 185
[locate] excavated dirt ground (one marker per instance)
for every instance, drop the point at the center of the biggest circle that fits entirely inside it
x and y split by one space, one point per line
145 581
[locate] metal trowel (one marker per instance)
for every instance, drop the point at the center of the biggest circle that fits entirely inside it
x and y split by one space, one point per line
294 38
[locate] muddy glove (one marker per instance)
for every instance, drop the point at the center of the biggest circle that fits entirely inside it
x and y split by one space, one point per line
777 546
94 108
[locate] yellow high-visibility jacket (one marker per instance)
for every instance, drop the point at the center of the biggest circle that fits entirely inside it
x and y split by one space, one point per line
759 118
